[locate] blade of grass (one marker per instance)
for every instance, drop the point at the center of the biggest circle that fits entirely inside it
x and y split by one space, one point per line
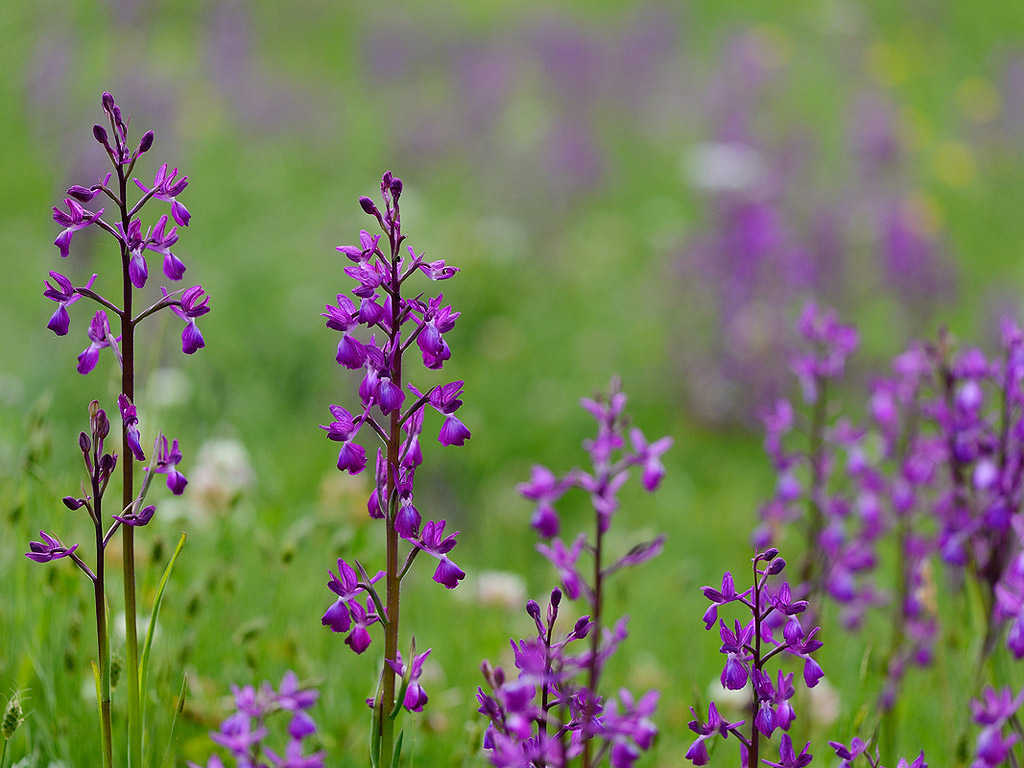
179 707
144 659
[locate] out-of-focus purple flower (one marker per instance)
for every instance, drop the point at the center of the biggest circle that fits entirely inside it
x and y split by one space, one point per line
564 561
848 754
99 338
77 218
194 304
649 456
167 187
50 548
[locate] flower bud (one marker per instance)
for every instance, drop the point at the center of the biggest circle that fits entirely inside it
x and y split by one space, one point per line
776 566
107 101
533 609
102 426
100 134
556 596
82 194
94 408
368 206
107 463
73 503
769 554
582 628
84 443
146 143
396 187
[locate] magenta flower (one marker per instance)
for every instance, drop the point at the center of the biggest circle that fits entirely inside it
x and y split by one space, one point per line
415 696
166 187
137 520
161 243
131 421
788 757
193 305
63 292
433 541
77 218
167 464
50 548
99 337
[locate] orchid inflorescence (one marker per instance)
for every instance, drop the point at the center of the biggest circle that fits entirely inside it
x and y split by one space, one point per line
123 222
380 271
244 733
553 712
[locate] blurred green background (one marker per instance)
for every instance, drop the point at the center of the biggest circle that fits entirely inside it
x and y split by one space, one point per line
591 167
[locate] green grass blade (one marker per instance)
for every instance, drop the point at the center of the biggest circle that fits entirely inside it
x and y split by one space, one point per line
174 721
144 659
398 749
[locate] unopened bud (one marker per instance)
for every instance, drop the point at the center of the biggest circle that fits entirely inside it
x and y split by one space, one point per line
102 424
107 463
583 625
84 443
107 101
100 134
556 596
94 408
146 143
82 194
396 187
776 566
368 206
533 609
73 503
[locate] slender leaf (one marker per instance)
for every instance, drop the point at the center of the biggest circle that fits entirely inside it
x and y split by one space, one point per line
398 749
144 660
174 722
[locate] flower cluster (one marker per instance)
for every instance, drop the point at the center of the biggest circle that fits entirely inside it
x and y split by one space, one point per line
812 489
848 755
995 712
127 231
244 732
393 323
539 718
571 712
122 220
747 648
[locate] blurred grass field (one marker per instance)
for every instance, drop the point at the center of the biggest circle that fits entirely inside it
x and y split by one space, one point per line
544 155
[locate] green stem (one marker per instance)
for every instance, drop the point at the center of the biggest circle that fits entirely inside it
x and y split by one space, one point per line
103 643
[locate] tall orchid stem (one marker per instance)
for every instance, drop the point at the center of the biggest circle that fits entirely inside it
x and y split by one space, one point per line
128 494
102 640
755 735
393 577
594 671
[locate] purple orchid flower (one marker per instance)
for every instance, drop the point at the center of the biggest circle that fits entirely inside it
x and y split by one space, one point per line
167 187
99 338
64 293
77 218
50 548
193 305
